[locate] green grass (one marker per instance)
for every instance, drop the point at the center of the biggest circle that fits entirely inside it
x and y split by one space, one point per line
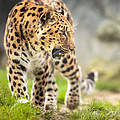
98 111
11 110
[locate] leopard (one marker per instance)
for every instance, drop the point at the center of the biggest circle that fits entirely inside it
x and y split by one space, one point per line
39 40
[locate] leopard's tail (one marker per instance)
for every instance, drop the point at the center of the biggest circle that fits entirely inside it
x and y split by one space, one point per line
88 83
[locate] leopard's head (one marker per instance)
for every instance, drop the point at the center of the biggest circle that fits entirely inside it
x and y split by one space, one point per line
57 33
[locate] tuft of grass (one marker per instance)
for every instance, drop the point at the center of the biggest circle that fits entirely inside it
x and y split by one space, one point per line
97 111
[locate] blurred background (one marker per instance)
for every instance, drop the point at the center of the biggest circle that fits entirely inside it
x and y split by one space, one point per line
97 37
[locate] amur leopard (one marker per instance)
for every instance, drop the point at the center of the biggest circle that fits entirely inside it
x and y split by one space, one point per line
39 39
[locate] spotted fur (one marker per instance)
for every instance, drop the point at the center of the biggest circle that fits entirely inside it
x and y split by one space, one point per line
38 39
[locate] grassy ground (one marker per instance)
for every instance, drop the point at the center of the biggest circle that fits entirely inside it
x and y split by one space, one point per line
11 110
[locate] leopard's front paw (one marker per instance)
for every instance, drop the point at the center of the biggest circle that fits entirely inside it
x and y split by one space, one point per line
50 107
72 102
50 102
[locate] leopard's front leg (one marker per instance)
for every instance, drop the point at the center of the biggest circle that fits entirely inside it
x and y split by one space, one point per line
44 90
17 74
73 98
51 90
68 66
